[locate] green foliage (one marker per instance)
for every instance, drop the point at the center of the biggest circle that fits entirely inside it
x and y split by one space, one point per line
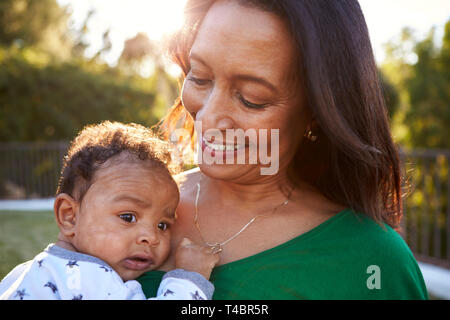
53 101
429 91
41 24
49 90
390 94
420 71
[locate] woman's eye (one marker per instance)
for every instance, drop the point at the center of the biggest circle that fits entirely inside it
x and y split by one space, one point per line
163 226
128 217
198 81
251 105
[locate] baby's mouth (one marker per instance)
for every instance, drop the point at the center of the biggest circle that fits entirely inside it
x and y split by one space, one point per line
138 262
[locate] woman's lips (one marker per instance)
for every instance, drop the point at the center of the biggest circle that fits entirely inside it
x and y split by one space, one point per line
138 263
221 146
214 148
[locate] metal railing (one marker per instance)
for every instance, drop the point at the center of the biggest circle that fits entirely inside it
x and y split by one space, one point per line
31 170
426 223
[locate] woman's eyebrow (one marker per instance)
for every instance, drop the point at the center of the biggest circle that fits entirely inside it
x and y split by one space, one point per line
241 77
193 56
261 81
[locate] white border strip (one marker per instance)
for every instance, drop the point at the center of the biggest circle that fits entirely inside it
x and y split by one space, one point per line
437 280
27 205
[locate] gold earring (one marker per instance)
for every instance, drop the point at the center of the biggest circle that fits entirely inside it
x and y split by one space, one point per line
310 136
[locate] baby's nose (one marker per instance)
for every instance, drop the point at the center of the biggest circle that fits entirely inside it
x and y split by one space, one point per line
149 237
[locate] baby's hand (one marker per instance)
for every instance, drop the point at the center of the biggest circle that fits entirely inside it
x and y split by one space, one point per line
192 257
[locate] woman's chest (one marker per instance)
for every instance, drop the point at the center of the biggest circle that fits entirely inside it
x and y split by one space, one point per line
239 236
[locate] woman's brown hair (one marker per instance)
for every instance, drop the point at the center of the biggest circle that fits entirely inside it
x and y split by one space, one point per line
354 161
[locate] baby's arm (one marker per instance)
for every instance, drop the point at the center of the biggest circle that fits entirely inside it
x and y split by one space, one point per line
195 258
52 277
189 281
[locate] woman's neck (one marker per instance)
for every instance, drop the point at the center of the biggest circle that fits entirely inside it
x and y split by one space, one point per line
261 193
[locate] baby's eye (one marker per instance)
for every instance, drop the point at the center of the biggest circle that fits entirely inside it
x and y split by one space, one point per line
128 217
163 226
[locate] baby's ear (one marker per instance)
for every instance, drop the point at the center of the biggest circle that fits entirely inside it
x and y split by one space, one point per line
66 210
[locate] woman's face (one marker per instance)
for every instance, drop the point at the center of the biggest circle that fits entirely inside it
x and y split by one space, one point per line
241 77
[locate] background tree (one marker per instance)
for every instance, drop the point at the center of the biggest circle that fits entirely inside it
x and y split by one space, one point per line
390 94
143 56
54 101
429 92
49 90
41 24
420 72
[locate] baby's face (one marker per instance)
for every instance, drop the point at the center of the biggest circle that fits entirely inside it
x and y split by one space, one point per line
125 218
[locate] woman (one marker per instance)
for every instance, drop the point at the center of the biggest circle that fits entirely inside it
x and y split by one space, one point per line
321 227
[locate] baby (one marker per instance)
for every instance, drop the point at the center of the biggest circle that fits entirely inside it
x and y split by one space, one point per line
115 206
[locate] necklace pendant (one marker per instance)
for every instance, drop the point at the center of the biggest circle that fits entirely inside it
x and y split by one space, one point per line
216 248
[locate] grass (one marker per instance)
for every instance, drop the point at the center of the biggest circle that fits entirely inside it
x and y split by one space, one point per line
23 234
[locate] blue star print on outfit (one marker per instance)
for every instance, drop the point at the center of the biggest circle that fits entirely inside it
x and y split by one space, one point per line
57 273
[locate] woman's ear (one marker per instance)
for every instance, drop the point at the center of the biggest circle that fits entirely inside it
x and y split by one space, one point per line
66 210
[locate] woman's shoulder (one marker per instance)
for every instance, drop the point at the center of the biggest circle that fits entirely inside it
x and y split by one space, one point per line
383 250
364 232
188 179
377 231
357 238
380 245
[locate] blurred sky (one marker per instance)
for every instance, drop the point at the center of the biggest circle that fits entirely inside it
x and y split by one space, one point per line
385 19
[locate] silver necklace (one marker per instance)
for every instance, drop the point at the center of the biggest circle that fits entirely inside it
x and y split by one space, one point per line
217 247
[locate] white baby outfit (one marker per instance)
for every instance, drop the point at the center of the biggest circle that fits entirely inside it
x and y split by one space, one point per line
57 273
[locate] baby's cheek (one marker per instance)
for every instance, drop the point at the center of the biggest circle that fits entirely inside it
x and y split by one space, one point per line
101 242
112 248
164 250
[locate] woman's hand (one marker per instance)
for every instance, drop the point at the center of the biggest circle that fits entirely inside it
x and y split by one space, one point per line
192 257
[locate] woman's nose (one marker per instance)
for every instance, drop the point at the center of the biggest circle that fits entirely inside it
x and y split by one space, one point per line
215 111
149 237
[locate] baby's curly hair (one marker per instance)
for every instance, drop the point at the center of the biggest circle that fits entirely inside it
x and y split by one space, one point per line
95 144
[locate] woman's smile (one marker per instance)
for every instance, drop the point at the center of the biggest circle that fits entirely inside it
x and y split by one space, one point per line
218 146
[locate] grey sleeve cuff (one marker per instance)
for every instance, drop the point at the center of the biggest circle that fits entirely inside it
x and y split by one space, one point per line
200 281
